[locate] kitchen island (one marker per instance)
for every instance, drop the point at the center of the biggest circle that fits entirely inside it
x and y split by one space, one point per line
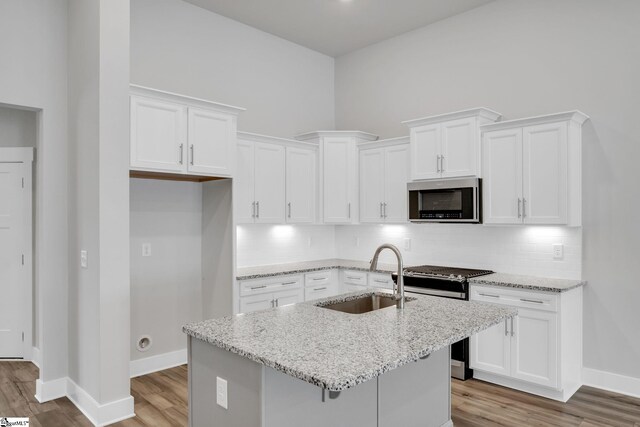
305 364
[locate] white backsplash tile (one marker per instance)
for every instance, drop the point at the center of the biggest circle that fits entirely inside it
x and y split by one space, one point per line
516 250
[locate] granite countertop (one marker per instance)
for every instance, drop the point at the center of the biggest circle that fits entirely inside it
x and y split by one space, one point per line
246 273
527 282
336 350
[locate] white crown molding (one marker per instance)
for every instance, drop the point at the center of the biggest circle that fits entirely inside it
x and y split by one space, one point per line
183 99
616 383
256 137
574 116
481 112
388 142
315 135
157 363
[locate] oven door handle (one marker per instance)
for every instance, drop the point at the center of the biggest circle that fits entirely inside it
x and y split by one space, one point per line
435 292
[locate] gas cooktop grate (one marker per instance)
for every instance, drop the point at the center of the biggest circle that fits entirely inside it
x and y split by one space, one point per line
435 270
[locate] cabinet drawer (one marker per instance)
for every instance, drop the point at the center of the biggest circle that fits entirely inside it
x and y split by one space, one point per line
320 278
256 302
379 280
269 284
546 301
352 277
319 291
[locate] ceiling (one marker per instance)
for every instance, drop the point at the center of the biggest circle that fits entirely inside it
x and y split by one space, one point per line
336 27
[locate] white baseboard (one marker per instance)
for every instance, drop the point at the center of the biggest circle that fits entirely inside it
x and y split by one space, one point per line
99 415
611 382
50 390
157 363
35 356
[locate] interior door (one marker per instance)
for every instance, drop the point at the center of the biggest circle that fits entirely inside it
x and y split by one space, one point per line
425 152
459 148
372 178
243 183
534 347
396 175
12 274
502 176
158 135
545 174
269 183
301 185
211 136
337 180
490 350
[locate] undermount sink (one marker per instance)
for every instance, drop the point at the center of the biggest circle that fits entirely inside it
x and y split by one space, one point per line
364 304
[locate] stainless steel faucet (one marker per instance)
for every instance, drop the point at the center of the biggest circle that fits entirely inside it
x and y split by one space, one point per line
398 288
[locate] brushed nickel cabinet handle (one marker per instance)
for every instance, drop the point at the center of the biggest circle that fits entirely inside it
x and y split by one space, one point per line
489 295
524 207
349 208
519 211
192 151
442 163
438 163
289 207
258 287
288 283
257 209
253 210
532 300
320 289
181 152
385 210
512 333
506 328
381 210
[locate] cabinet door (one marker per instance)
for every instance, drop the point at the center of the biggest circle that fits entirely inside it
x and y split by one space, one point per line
459 148
396 175
502 171
372 180
534 349
545 174
425 149
211 142
256 302
380 281
269 183
243 183
338 165
490 350
350 287
301 185
288 297
158 135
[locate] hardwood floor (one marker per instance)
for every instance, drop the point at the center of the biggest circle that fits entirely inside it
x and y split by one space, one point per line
161 400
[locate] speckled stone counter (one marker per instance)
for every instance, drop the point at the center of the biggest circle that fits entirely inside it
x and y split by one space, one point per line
336 350
246 273
527 282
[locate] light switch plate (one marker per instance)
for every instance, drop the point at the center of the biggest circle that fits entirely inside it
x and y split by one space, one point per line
146 249
558 251
407 244
84 259
221 393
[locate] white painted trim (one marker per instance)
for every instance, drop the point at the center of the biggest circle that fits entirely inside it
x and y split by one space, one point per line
389 142
255 137
616 383
99 415
336 133
36 357
483 112
574 116
50 390
448 424
157 363
183 99
549 393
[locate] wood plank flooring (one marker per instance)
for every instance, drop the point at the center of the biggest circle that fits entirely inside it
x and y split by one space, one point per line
161 400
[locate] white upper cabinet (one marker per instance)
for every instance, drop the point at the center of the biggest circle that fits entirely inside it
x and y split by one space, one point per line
383 181
338 175
181 135
275 181
158 135
447 145
301 185
532 170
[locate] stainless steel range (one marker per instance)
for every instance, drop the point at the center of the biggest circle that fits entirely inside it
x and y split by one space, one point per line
447 282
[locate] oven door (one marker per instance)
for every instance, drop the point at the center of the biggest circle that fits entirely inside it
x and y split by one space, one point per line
445 201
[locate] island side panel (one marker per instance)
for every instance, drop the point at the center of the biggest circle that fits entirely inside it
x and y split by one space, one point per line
290 402
244 386
417 394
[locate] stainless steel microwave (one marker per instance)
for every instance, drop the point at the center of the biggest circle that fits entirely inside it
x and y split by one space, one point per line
445 200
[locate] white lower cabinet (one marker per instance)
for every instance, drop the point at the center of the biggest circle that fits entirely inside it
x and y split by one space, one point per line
321 284
540 350
380 281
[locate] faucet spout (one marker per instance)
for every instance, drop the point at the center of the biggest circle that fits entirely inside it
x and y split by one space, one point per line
398 288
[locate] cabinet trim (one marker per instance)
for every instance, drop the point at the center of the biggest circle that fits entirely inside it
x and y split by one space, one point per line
482 112
183 99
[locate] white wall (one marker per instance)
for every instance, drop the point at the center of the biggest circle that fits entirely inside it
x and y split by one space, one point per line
33 73
286 88
18 128
516 250
261 244
165 287
525 58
